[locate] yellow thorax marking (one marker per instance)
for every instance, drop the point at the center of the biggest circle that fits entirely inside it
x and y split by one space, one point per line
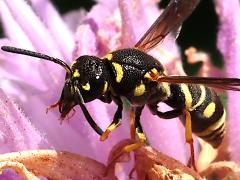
166 87
139 90
105 86
86 87
209 110
150 75
119 70
109 56
76 73
154 71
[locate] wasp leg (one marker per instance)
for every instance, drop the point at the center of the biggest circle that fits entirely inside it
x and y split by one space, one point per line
188 135
106 98
141 136
52 106
87 115
116 120
132 124
139 131
165 115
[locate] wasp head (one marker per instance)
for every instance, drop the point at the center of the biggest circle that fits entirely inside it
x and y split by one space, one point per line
87 81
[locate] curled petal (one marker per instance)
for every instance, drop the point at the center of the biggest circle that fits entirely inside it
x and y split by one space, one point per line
222 170
150 164
54 165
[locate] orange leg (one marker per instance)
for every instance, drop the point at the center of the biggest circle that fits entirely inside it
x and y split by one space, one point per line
52 106
132 124
188 136
114 124
135 128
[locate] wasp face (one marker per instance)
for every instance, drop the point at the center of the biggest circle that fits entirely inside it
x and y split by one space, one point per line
67 100
88 74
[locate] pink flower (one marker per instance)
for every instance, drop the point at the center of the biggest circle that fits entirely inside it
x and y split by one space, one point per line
34 84
229 44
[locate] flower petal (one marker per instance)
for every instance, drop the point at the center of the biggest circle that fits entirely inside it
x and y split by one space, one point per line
229 45
17 133
58 29
55 165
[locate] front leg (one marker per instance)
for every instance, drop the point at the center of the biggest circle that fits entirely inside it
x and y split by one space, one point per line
138 130
86 113
116 119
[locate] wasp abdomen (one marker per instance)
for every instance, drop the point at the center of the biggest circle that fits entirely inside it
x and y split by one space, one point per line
207 112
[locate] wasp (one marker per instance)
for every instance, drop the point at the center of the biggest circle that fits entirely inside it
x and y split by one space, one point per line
134 75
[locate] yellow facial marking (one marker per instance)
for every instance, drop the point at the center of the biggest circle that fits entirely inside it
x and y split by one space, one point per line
213 127
109 56
187 96
139 90
76 73
201 99
86 87
105 86
209 110
119 70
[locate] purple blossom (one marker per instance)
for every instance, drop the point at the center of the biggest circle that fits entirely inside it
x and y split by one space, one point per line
33 84
229 44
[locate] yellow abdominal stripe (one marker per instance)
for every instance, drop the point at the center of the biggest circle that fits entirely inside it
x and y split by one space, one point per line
187 96
201 99
119 71
209 110
213 127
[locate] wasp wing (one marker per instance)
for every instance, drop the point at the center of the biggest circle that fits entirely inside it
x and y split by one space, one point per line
172 17
215 82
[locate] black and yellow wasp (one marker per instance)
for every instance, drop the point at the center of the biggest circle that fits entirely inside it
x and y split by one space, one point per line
138 77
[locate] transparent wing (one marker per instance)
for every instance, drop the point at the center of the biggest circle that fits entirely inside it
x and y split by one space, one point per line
172 17
215 82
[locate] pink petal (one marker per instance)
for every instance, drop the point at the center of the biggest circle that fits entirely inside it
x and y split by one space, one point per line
9 174
229 44
58 29
17 132
32 26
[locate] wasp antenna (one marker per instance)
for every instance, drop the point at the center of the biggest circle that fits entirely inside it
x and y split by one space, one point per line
37 55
